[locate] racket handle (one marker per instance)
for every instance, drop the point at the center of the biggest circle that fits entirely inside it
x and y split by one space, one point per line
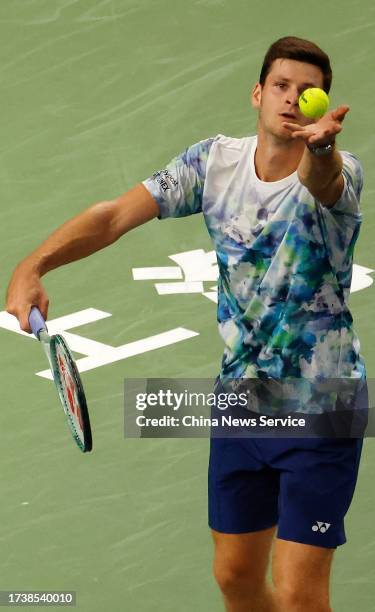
37 323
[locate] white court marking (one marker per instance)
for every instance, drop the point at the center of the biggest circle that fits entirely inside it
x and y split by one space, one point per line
97 353
196 267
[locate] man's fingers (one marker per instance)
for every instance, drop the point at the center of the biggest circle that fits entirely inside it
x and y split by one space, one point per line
291 126
295 130
25 326
23 314
298 133
340 112
23 319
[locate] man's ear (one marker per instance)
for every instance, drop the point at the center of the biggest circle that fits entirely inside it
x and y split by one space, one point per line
256 95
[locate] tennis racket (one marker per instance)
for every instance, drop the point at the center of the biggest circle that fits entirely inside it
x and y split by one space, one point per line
67 380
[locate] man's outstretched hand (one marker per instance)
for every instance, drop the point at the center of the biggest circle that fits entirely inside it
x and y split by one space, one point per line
323 131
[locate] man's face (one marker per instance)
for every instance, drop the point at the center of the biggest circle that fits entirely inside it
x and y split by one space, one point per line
285 82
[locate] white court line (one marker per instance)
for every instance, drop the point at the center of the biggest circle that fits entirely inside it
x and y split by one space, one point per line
169 288
117 353
156 273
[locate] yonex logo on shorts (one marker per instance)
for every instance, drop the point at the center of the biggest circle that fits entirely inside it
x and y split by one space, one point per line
322 527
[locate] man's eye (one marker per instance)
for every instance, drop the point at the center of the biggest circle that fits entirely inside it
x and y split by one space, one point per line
280 85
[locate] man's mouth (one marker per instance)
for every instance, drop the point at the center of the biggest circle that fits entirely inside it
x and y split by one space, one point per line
288 115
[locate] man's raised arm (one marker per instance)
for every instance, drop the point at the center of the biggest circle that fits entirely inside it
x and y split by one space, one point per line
93 229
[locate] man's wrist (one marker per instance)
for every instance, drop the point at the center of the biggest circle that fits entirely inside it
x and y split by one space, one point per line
321 150
33 265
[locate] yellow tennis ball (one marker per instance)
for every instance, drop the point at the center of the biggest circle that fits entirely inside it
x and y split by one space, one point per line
313 102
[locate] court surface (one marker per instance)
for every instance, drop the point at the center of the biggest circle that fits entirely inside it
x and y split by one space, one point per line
96 96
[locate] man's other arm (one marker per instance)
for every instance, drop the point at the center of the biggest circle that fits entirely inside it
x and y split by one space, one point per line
322 176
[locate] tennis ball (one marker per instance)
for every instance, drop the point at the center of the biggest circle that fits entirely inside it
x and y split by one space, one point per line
313 102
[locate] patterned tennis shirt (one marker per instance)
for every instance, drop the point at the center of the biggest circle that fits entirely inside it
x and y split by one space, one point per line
285 262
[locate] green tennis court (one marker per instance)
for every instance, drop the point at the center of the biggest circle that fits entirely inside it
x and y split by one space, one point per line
96 96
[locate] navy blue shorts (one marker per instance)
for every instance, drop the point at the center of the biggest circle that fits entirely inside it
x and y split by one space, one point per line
303 485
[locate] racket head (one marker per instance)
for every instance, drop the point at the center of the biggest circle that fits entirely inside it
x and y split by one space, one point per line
71 393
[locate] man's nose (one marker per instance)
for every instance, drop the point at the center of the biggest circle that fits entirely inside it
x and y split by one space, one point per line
293 97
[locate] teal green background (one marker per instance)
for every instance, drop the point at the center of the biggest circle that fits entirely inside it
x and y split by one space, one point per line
95 97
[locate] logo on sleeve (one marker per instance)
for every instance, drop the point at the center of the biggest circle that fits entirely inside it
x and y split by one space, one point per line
165 179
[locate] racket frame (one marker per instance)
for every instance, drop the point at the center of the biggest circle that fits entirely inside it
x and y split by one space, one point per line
56 341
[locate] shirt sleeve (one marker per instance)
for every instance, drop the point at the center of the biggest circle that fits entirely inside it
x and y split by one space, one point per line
348 203
178 188
341 222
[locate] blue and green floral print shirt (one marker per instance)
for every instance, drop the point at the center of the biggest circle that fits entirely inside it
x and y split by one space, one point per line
285 260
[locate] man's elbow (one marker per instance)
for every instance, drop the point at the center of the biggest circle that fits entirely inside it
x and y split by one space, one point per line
129 210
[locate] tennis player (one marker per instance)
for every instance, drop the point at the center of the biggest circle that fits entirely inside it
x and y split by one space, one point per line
282 209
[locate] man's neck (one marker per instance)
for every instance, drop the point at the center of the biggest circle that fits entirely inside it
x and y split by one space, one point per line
275 160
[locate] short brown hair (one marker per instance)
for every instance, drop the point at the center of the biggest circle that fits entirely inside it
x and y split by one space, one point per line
291 47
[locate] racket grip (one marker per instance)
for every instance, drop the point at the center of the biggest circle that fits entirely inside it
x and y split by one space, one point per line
37 323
